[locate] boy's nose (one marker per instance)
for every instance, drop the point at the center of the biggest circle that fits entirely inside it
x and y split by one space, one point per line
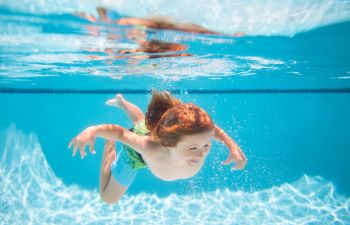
198 154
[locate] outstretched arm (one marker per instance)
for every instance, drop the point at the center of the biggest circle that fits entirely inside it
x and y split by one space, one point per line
236 154
109 132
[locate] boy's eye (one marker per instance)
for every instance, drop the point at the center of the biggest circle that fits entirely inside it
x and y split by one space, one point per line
206 145
193 148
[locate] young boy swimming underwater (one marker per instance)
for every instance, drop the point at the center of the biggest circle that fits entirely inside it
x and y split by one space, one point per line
172 140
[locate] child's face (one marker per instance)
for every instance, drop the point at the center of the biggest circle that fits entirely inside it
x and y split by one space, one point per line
192 149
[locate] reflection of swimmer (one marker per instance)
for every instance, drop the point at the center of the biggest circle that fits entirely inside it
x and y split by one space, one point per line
165 24
159 23
147 49
172 140
156 46
150 50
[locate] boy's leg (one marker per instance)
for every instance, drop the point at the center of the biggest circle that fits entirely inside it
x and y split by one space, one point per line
134 112
110 189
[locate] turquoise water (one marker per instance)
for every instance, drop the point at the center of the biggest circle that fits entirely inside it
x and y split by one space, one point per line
281 91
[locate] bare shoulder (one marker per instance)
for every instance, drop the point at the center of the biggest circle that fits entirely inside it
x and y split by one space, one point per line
142 144
152 148
150 144
155 155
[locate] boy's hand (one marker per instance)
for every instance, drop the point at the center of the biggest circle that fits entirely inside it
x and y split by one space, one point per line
109 155
87 137
237 157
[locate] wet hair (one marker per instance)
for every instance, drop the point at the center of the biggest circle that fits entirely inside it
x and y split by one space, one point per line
168 119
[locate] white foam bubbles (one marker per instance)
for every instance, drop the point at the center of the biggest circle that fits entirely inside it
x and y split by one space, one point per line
30 193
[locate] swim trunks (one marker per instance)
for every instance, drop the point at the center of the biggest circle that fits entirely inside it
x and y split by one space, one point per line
136 158
125 166
122 170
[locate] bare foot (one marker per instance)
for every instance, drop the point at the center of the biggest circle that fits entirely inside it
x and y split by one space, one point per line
116 101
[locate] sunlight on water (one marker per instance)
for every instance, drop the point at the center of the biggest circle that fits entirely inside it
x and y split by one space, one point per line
30 193
258 17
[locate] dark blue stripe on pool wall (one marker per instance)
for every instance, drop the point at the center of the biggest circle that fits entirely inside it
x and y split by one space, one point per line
4 90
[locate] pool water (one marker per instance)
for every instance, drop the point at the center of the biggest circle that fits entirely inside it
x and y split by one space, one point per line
281 91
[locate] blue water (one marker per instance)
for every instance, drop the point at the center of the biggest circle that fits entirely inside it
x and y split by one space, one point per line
297 143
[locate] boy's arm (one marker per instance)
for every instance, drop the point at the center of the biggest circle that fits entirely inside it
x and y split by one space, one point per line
109 132
236 154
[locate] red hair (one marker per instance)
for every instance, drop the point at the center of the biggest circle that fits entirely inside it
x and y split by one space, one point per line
167 118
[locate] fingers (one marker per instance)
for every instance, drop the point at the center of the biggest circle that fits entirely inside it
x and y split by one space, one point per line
108 160
82 150
237 164
75 147
81 146
71 143
240 165
92 146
